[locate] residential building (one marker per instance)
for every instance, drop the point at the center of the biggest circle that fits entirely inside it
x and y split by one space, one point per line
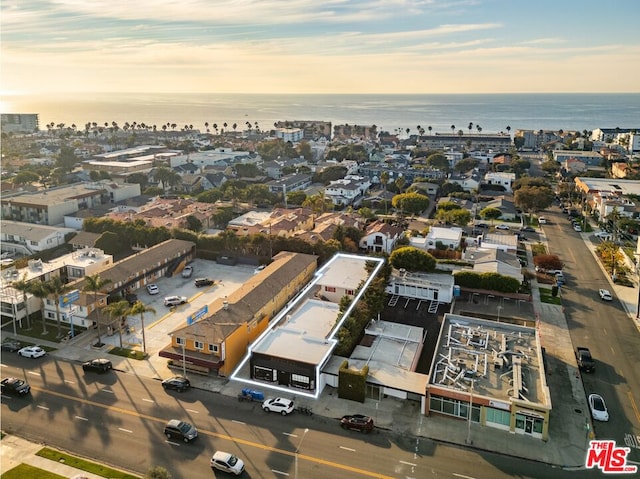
490 260
19 122
589 158
380 237
349 190
438 288
502 179
26 239
286 184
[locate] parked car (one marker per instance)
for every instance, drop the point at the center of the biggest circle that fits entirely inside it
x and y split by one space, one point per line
224 461
280 405
99 365
176 429
11 346
482 225
14 387
174 300
598 408
187 271
32 352
585 360
200 282
605 295
152 288
577 227
357 422
560 279
259 268
502 226
176 383
542 220
528 229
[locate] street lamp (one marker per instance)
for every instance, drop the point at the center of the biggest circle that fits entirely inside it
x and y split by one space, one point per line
468 440
295 476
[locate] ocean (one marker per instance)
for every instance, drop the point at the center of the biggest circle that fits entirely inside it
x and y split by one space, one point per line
393 113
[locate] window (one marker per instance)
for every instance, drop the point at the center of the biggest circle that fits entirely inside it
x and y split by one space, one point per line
350 292
180 341
264 374
454 407
198 344
498 416
330 289
213 348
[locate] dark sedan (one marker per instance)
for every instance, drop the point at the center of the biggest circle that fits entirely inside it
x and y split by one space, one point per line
14 387
97 366
201 282
357 422
176 383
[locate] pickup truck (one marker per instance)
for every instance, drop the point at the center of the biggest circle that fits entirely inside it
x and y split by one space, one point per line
585 360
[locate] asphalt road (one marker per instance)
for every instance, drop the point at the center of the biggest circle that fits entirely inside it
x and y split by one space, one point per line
118 419
605 329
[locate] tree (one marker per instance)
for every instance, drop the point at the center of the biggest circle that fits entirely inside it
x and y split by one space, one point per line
490 213
296 197
518 142
410 203
466 164
39 290
547 261
56 288
193 223
25 177
456 216
533 199
438 161
25 288
140 308
412 259
117 311
94 284
167 177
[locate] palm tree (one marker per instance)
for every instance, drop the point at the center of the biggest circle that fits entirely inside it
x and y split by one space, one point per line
39 291
470 127
429 128
55 287
453 129
116 312
24 287
509 130
93 284
140 308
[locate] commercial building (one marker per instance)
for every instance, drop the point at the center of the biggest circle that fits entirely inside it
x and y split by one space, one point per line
490 373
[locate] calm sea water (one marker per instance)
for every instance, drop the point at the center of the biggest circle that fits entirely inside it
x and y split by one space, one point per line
389 112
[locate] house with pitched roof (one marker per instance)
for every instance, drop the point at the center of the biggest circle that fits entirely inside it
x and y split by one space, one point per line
380 237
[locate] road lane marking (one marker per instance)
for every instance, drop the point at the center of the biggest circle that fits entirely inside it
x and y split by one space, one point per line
408 463
173 443
238 422
282 473
125 430
82 418
236 440
347 449
148 400
463 476
69 382
42 407
633 405
34 373
193 411
107 391
289 434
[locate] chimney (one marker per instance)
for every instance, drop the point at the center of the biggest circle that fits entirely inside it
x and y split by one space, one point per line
225 304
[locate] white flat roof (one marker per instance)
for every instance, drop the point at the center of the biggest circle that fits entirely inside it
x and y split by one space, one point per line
345 272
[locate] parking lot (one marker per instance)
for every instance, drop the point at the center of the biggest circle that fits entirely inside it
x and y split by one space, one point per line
158 325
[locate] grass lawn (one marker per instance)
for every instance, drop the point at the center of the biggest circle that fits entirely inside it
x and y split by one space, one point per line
546 297
81 464
25 470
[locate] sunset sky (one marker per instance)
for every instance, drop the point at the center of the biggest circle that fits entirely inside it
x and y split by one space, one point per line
307 46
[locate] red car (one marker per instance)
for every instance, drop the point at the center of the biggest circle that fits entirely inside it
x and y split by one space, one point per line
357 422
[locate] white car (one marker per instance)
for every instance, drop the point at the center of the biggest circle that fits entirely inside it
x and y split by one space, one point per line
187 271
281 405
174 300
259 268
227 462
598 408
578 228
503 227
542 220
152 288
605 295
32 352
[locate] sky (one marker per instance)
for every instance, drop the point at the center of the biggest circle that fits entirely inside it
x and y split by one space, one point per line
311 46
